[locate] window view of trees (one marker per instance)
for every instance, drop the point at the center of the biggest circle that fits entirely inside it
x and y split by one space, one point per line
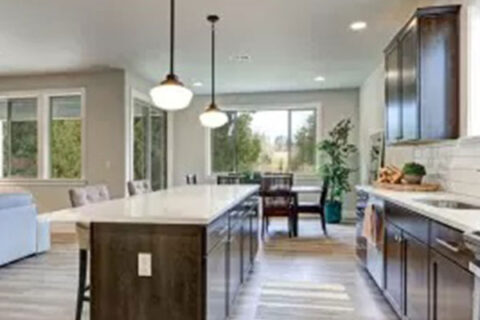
149 144
18 121
304 141
140 142
66 137
279 140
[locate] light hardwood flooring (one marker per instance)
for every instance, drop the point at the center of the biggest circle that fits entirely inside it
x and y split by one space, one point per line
310 277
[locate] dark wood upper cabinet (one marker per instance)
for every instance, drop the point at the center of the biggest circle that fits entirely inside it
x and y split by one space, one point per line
409 82
422 77
392 93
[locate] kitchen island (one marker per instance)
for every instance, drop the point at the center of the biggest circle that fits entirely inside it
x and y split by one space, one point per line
180 253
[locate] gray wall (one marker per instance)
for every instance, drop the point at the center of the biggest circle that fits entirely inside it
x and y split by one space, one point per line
105 132
191 139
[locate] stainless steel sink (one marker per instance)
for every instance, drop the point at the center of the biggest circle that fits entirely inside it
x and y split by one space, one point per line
450 204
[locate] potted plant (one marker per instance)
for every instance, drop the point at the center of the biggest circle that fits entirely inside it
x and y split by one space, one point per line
413 173
335 154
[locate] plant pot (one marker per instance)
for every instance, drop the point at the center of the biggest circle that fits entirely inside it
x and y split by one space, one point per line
412 179
333 212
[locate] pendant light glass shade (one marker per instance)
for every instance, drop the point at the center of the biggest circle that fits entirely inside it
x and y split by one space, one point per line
213 117
171 94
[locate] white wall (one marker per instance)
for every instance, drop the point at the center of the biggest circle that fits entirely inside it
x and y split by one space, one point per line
191 139
372 101
105 132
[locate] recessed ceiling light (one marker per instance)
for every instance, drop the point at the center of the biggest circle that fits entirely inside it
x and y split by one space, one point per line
198 84
241 58
358 25
319 79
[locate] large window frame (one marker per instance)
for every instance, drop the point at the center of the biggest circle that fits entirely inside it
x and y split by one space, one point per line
44 165
316 108
146 101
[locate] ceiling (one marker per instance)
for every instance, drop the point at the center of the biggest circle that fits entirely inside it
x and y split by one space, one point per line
290 41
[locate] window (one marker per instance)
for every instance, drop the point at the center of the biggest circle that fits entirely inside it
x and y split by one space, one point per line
66 137
19 137
41 135
272 140
149 144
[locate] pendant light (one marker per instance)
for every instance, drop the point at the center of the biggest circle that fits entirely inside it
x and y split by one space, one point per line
171 94
213 117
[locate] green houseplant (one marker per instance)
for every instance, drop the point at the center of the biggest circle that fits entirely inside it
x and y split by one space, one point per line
413 173
335 152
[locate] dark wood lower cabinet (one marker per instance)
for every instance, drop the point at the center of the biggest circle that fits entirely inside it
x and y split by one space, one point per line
451 289
394 267
217 281
416 278
235 262
425 268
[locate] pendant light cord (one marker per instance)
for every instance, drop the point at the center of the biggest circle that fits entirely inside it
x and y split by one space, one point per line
213 62
172 36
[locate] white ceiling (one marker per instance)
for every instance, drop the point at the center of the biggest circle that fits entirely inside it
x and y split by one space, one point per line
290 41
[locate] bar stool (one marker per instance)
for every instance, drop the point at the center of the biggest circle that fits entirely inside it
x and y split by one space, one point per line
80 197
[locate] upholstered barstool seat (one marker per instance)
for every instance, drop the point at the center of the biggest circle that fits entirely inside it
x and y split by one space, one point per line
139 187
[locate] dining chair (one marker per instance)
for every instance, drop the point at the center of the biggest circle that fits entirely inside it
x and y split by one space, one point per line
277 200
137 187
191 178
228 179
316 207
80 197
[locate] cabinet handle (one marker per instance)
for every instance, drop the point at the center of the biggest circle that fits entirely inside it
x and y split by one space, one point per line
447 245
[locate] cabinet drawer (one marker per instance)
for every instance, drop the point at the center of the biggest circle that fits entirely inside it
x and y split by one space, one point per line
450 243
217 231
413 223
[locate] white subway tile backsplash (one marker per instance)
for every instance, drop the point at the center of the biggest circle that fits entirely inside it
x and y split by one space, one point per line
453 164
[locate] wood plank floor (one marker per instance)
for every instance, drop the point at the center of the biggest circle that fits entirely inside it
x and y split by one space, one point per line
307 278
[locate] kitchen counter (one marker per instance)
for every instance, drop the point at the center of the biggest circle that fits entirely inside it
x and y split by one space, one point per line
463 220
186 205
181 253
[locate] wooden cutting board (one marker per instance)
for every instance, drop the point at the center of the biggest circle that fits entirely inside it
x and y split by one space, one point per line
426 187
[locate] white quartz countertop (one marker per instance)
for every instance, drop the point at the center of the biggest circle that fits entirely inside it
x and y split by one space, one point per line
463 220
198 205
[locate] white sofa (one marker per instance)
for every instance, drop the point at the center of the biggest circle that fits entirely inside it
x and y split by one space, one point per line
22 231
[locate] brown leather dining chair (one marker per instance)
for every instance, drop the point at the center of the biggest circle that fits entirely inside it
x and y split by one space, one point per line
277 200
316 207
80 197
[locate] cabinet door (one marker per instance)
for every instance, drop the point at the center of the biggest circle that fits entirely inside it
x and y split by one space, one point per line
409 83
217 282
451 290
392 94
416 278
393 267
246 239
235 262
254 221
439 52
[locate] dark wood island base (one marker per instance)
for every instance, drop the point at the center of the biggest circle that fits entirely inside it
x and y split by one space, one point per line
196 270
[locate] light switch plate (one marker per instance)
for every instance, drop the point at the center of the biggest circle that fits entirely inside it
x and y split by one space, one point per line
144 264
